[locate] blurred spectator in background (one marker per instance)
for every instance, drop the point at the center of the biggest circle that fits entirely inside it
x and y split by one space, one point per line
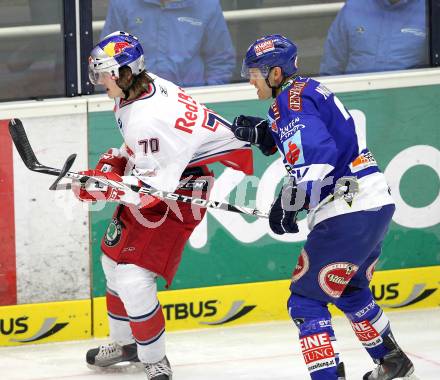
376 35
185 41
243 32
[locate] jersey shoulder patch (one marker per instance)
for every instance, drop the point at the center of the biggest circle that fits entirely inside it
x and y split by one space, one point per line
295 100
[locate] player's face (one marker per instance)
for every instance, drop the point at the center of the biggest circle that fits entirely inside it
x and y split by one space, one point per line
109 83
257 80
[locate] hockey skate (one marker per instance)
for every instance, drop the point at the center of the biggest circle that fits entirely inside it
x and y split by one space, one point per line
159 371
112 354
394 365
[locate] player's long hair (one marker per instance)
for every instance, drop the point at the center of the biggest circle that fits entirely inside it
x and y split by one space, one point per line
133 86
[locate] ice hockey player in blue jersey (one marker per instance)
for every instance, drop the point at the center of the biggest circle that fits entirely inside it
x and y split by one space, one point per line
334 177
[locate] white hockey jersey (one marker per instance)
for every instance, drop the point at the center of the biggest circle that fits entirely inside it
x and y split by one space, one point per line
166 130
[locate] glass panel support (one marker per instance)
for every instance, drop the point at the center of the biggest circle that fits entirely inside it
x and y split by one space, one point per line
78 41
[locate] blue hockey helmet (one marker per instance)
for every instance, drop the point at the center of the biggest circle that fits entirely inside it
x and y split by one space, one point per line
270 51
114 51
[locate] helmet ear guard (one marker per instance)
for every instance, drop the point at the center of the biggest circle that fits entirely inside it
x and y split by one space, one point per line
116 50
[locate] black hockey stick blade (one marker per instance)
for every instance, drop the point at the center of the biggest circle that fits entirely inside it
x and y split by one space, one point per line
21 142
66 167
24 148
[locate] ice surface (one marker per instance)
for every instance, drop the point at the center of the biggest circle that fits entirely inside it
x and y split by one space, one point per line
261 351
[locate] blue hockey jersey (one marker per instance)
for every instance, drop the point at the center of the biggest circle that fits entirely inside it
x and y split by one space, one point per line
316 137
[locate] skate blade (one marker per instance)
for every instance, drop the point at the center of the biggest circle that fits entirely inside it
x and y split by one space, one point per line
124 367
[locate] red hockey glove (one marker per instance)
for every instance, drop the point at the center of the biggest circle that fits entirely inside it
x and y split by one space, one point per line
112 161
93 191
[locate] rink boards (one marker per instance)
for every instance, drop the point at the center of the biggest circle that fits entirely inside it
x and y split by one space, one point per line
211 307
51 280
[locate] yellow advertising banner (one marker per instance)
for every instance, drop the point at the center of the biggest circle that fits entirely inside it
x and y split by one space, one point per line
45 322
405 289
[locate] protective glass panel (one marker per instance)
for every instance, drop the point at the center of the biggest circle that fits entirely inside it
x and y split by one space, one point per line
31 49
378 35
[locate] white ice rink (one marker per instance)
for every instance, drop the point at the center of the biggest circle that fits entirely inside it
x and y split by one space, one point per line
267 351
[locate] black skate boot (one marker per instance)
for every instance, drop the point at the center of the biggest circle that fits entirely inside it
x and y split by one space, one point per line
111 354
394 365
340 371
159 371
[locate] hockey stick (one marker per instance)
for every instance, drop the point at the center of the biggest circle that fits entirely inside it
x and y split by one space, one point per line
24 148
182 184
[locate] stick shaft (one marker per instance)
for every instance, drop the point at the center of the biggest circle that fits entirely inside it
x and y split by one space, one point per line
23 146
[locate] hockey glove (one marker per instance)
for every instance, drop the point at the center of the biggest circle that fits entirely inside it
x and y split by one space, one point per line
93 191
112 161
284 211
256 131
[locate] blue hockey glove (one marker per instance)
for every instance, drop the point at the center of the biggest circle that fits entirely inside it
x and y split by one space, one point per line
284 211
256 131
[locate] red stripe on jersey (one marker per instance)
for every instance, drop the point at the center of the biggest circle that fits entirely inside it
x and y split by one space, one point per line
239 159
8 274
146 330
144 95
115 305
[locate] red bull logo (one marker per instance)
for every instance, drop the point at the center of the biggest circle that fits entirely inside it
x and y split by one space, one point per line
115 48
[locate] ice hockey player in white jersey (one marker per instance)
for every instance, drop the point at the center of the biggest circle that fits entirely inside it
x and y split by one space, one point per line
334 177
168 137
